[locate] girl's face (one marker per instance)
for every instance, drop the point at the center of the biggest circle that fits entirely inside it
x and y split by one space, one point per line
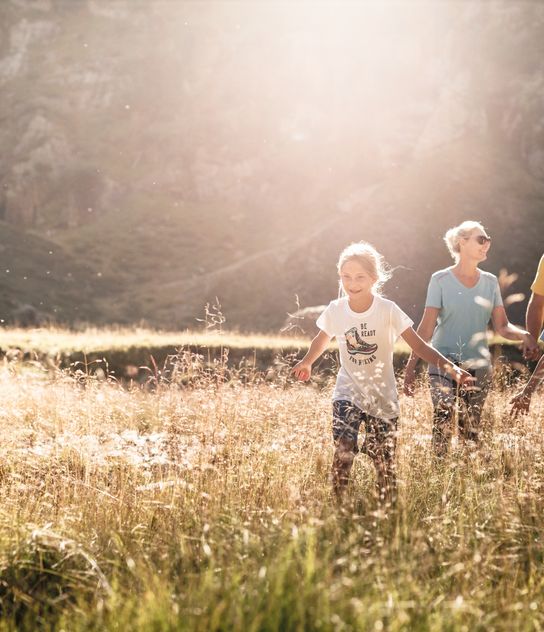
356 281
476 245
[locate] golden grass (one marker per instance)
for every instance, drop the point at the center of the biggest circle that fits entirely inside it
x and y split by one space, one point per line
54 340
209 508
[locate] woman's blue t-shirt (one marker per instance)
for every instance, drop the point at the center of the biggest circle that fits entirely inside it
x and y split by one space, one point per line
461 330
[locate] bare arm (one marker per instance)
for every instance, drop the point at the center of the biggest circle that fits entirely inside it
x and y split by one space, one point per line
536 377
425 331
504 328
424 350
303 369
522 401
535 314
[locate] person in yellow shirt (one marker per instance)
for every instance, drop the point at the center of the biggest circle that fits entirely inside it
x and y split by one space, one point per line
535 319
535 309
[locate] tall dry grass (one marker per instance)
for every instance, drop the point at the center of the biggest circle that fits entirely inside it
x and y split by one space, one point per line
208 507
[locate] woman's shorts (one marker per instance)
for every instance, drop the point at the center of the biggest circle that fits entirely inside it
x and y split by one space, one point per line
380 434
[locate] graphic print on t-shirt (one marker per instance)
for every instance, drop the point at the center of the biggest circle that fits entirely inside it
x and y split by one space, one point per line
357 346
366 343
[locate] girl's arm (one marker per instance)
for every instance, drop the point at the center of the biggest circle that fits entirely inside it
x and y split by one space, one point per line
522 401
425 331
432 356
303 369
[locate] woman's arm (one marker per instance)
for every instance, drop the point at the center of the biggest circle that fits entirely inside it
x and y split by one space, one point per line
504 328
535 314
432 356
425 331
303 369
522 401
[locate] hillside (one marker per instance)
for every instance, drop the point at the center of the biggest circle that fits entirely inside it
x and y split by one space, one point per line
40 273
169 153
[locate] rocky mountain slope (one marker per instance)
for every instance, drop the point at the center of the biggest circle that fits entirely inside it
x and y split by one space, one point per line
171 152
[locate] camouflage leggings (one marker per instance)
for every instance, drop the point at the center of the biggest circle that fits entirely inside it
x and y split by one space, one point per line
379 433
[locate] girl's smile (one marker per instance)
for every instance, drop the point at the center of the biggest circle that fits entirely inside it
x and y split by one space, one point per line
357 284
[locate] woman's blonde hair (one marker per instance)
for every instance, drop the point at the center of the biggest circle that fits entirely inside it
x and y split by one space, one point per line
370 259
454 235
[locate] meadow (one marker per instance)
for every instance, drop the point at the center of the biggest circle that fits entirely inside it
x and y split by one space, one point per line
202 501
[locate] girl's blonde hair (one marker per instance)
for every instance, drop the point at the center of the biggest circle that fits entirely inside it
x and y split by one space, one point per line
370 259
454 235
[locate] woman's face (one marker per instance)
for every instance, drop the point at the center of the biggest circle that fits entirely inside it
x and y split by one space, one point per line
476 245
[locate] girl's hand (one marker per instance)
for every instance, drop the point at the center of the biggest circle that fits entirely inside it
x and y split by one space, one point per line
409 381
302 370
520 404
530 347
462 377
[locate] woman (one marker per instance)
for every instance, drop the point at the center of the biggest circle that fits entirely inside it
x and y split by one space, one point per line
460 302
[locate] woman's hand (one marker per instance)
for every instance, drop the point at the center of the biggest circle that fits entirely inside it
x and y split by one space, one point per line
505 328
530 347
302 370
520 404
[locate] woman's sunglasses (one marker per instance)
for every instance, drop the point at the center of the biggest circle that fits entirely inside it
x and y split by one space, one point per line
482 239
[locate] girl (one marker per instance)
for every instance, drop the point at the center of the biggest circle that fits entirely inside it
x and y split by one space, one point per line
460 302
366 326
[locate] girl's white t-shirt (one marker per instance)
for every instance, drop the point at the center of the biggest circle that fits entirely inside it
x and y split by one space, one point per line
366 341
